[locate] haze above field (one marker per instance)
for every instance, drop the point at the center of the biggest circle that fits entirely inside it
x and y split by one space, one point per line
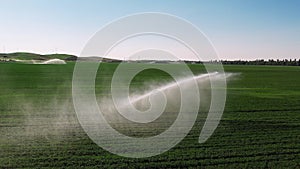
238 29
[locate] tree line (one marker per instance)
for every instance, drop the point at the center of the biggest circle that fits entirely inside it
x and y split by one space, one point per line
283 62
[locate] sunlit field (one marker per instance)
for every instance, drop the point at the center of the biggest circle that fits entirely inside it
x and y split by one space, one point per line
260 126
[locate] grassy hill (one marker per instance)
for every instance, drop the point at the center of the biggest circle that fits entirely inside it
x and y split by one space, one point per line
34 56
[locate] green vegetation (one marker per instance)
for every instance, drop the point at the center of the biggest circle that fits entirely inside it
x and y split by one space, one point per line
260 127
33 56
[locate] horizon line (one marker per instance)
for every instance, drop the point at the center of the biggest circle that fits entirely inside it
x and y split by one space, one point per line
44 54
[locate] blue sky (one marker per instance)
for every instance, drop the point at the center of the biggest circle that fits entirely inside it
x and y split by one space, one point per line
239 29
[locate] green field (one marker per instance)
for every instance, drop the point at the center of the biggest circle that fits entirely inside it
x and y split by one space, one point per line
260 127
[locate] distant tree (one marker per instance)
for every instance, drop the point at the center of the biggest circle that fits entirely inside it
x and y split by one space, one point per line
284 62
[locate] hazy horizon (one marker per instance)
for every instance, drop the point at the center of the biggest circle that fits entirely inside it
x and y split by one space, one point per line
238 29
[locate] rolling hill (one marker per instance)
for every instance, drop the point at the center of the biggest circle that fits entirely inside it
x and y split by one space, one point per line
34 56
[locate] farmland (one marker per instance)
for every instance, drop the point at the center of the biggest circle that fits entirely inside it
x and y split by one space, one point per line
260 126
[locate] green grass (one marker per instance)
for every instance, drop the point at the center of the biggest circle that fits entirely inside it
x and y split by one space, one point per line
260 127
